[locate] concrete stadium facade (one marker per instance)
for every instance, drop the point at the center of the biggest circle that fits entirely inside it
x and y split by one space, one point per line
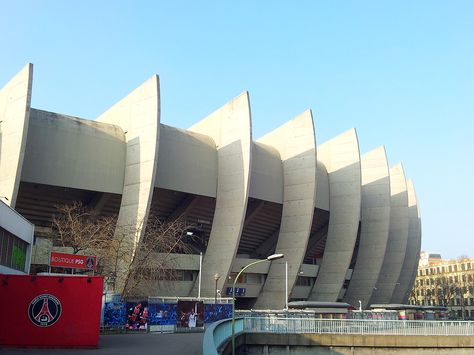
345 222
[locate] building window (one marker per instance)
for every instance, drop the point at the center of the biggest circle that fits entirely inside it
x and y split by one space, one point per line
12 250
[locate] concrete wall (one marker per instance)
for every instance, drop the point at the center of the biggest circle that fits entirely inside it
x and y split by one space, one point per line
375 224
322 197
187 162
71 152
266 181
296 144
15 100
410 263
230 127
265 343
397 239
342 161
139 116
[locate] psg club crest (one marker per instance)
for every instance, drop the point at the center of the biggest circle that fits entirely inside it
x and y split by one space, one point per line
44 310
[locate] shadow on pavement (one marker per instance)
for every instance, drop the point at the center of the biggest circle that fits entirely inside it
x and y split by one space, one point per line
151 343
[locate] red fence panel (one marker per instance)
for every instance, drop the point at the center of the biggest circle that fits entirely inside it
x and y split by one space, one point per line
50 311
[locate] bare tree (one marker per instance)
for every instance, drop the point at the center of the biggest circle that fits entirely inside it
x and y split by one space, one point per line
153 260
80 228
142 264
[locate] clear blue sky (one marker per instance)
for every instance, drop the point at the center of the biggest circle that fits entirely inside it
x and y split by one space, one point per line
400 72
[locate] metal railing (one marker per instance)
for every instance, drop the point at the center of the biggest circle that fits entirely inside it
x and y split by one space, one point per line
218 333
356 326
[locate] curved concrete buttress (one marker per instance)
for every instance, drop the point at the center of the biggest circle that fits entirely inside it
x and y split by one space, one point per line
341 157
410 263
375 225
139 116
417 254
296 143
15 102
397 238
230 127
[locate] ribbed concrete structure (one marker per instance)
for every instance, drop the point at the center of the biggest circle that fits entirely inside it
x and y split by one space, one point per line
15 100
397 239
375 224
412 254
342 160
349 228
230 127
297 146
138 115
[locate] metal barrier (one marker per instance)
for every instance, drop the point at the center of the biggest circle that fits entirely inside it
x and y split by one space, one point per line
356 326
218 333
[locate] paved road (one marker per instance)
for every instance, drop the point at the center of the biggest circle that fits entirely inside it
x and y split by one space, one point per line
151 343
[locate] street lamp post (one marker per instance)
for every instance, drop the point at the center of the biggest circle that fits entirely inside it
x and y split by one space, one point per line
216 278
286 285
269 258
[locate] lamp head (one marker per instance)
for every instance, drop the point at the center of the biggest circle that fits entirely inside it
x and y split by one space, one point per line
275 256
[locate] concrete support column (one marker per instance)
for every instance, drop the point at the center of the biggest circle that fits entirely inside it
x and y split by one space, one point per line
139 116
397 239
375 225
410 263
230 127
296 144
15 102
342 160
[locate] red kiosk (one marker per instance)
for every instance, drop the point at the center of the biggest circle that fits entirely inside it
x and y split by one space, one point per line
50 311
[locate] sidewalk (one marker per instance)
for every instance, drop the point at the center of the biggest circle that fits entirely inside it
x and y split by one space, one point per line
150 343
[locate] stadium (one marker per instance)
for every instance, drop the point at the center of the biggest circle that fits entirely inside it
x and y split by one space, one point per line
348 224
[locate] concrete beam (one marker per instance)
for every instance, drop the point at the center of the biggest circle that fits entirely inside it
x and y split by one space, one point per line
184 207
15 102
397 238
267 247
252 211
341 157
230 127
296 144
375 225
317 238
410 263
98 201
139 116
